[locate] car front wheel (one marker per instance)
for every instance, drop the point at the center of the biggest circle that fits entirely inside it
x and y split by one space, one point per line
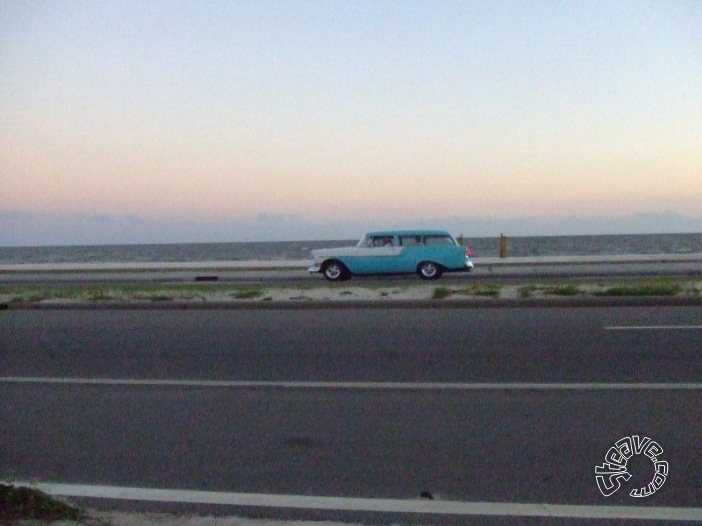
335 271
429 270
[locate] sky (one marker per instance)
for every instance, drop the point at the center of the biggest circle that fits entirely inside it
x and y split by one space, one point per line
177 121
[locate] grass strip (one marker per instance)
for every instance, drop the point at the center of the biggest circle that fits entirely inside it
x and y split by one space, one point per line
657 288
22 294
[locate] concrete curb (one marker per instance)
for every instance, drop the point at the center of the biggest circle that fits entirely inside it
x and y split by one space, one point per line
469 303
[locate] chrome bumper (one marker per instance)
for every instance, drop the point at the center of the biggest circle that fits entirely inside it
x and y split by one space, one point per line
314 268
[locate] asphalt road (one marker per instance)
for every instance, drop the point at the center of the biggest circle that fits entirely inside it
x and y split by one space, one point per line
366 403
366 345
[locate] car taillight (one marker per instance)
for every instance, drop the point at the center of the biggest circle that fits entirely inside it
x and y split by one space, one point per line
469 252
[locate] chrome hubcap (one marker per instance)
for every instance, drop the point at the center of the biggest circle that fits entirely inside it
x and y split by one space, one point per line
429 270
333 271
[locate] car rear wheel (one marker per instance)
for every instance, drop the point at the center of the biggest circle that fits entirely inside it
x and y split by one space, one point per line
335 271
429 270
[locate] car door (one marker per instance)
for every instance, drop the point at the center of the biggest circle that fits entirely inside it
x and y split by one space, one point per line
379 256
412 252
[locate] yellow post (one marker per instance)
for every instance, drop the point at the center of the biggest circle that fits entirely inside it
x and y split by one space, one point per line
503 246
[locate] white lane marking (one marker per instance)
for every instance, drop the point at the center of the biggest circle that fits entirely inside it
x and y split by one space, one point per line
369 505
655 328
345 385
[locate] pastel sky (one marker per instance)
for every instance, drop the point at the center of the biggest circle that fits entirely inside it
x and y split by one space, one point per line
167 121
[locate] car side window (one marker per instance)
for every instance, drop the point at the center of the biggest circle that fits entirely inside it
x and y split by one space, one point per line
438 240
410 241
381 241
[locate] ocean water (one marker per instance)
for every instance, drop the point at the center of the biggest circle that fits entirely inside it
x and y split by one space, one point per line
299 250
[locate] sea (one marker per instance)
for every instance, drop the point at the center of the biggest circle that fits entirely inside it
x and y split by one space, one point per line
300 250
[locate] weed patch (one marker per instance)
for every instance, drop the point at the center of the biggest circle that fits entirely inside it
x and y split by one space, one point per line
246 294
160 297
562 290
100 295
441 293
489 290
693 289
527 291
31 504
641 289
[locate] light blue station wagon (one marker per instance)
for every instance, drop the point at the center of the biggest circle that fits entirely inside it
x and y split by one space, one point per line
428 253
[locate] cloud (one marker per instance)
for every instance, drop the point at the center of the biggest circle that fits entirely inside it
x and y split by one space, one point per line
20 228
